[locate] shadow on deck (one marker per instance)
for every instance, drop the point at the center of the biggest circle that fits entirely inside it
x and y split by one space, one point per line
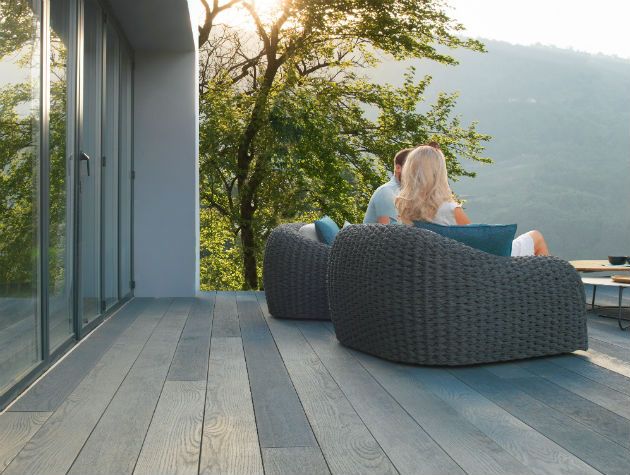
215 385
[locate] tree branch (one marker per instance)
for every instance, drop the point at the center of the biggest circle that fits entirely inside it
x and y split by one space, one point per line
211 14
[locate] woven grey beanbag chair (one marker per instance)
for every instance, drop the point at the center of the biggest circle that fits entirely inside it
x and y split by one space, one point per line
413 296
294 274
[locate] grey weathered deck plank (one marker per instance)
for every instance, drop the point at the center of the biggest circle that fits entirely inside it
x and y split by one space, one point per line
601 420
606 357
475 452
532 449
59 382
230 443
115 443
173 442
566 414
586 444
294 460
16 429
225 315
280 417
604 346
344 439
590 390
190 362
608 331
594 372
400 436
55 446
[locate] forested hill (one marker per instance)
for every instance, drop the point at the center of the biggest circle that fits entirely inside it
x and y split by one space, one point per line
560 122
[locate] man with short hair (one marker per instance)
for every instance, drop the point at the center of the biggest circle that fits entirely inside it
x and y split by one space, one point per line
381 208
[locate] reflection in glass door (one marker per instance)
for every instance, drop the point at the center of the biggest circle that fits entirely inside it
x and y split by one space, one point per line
90 164
61 167
125 174
110 168
20 107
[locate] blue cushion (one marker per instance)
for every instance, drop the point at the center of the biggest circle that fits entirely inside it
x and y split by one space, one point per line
492 238
326 230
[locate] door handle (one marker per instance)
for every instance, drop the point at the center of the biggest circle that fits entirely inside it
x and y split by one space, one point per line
84 157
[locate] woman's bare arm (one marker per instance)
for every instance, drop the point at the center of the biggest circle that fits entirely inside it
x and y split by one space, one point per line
460 216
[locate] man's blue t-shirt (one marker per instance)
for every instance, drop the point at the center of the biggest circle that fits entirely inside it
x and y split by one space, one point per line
382 202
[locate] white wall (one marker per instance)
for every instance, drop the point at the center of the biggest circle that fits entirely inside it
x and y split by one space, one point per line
166 205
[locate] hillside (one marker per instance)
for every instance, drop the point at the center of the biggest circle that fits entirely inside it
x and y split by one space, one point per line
560 122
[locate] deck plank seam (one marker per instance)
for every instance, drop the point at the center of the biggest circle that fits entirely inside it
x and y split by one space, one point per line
418 422
249 384
205 394
119 386
578 395
612 343
29 439
536 430
591 379
350 402
162 388
310 424
453 373
378 382
275 345
331 331
76 346
504 409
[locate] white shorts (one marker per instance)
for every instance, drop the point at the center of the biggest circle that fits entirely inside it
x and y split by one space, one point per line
523 246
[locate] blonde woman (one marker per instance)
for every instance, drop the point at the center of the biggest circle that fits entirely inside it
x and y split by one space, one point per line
425 195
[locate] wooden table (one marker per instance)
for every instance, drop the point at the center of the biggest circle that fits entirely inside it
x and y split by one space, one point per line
598 266
603 266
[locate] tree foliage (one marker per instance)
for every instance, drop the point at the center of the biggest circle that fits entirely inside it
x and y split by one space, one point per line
291 127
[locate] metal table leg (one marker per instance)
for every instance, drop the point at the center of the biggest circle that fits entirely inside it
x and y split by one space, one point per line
620 308
593 301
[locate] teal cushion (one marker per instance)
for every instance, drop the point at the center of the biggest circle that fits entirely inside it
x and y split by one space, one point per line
492 238
326 230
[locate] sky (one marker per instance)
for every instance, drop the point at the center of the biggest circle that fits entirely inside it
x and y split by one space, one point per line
600 26
592 27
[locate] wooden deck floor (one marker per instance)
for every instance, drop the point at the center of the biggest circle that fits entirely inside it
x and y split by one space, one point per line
216 386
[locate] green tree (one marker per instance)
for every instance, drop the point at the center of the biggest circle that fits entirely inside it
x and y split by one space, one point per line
291 127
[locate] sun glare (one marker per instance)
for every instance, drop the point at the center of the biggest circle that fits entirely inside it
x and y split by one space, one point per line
238 16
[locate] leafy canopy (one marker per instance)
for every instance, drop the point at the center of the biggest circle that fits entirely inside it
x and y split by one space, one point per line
292 127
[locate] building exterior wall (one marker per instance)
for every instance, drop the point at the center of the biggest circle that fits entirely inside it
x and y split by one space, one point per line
166 205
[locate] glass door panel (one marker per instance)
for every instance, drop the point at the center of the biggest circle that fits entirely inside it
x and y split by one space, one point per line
90 164
110 168
20 107
61 139
125 152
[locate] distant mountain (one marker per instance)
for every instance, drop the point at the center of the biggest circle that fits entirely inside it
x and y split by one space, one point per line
560 122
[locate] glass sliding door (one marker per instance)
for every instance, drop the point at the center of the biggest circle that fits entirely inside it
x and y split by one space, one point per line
66 78
61 169
111 100
20 114
125 173
90 164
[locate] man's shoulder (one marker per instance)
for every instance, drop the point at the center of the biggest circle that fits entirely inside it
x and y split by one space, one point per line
388 188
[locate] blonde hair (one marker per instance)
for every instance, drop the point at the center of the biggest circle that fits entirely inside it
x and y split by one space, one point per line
424 185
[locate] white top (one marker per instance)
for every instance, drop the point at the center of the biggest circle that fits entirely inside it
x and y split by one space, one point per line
445 214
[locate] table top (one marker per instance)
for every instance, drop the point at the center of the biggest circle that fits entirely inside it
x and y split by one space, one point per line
603 281
598 266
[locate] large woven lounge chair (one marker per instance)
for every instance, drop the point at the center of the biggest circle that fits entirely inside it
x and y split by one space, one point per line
294 274
410 295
